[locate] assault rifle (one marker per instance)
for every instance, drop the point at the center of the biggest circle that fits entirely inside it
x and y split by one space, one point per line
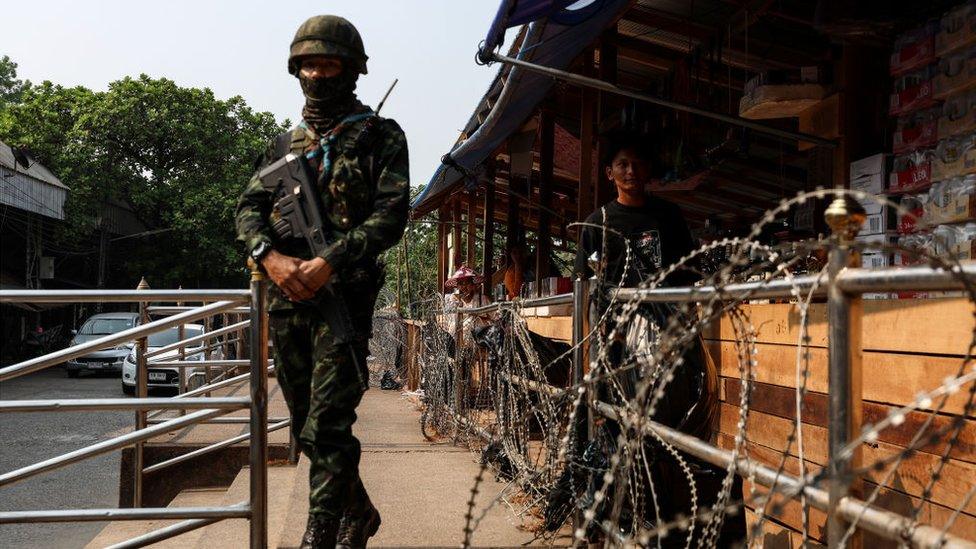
291 180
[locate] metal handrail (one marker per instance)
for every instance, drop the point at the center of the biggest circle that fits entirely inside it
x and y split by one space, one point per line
114 340
207 409
879 521
560 299
212 448
233 420
161 310
850 280
120 296
241 510
108 445
843 286
198 363
202 337
101 405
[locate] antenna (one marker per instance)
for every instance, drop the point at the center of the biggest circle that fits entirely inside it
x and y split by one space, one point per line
387 94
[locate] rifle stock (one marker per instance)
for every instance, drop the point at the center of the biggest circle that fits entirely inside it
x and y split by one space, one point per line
291 179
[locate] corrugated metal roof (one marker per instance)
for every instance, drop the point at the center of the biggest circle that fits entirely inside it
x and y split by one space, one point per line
547 43
33 189
36 170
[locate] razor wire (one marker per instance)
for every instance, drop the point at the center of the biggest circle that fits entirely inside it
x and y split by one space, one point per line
493 398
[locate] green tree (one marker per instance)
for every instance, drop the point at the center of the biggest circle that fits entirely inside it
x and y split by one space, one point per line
11 89
179 155
419 257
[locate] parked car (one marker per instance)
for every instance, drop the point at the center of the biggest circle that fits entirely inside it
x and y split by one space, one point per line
98 326
169 377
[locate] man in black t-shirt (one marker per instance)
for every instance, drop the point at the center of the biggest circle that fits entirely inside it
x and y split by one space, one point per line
657 236
654 228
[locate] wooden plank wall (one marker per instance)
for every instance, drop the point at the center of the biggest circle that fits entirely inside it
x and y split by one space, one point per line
909 346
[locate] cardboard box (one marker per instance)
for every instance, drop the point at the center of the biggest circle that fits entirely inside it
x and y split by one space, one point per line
911 99
964 165
944 85
883 221
912 56
956 30
873 185
876 241
915 178
921 136
875 164
875 260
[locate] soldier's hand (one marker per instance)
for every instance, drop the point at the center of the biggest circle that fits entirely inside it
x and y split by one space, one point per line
284 271
315 272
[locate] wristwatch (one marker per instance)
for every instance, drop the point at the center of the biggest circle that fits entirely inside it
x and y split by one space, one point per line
259 251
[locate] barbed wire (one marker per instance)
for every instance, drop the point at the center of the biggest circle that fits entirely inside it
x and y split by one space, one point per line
507 393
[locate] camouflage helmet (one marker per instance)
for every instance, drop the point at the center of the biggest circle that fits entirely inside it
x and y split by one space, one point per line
327 35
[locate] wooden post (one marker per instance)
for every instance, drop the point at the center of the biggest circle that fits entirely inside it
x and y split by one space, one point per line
546 151
588 100
441 249
456 232
471 246
512 217
488 257
608 73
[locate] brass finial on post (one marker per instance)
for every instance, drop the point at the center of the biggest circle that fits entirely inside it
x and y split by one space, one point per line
256 272
844 371
845 216
143 285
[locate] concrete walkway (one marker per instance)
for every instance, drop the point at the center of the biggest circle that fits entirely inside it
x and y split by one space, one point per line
421 489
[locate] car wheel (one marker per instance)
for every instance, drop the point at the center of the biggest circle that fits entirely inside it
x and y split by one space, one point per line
129 389
73 373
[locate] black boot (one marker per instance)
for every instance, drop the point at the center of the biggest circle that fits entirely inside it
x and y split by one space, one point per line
320 533
355 529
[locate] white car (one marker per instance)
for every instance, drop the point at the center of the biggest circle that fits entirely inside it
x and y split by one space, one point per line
168 376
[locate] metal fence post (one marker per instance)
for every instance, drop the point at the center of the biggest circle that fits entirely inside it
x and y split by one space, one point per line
845 217
142 391
581 305
259 410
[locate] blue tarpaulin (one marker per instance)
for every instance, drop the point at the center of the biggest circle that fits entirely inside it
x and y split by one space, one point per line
552 41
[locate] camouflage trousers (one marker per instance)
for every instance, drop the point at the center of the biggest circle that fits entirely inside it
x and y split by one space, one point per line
320 385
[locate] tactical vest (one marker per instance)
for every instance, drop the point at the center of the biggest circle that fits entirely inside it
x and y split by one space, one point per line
347 173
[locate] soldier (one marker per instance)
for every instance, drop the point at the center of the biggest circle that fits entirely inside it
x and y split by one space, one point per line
361 160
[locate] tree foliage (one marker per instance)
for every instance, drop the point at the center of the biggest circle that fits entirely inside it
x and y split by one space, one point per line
180 156
415 257
11 89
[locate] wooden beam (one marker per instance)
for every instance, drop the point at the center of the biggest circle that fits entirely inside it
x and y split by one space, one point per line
608 73
456 233
513 223
471 247
488 249
441 248
588 99
544 239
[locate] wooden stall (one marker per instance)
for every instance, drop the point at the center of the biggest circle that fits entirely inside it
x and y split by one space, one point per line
523 171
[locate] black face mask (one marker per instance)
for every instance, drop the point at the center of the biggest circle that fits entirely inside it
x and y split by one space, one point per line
328 99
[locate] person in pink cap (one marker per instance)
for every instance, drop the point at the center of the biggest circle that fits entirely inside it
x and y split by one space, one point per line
467 293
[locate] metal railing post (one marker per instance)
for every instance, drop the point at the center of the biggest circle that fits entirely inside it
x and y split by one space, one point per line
845 218
259 410
142 391
581 306
207 350
181 356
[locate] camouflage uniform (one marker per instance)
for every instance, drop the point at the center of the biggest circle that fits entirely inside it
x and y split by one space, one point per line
366 201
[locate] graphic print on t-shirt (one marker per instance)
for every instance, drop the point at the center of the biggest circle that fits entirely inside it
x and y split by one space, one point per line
647 252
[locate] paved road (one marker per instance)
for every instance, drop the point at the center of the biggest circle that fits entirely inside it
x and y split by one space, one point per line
28 438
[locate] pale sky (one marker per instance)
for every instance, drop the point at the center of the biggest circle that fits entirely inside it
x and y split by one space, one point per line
241 48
